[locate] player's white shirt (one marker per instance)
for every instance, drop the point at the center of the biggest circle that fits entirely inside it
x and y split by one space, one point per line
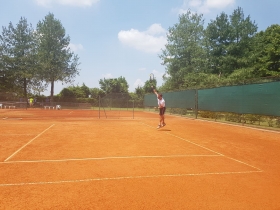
161 102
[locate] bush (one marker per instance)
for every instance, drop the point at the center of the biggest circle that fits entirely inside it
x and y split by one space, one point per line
252 119
233 117
207 114
278 122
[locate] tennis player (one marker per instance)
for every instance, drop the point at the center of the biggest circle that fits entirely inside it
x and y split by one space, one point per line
161 106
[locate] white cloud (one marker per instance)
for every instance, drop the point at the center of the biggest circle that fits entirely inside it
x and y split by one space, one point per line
193 3
76 47
204 6
107 76
138 83
151 41
158 75
79 3
219 4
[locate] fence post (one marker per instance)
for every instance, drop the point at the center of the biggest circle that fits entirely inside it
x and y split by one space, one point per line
99 107
133 111
196 103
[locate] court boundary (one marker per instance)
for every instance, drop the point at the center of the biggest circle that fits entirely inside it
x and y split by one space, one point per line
216 154
222 155
128 177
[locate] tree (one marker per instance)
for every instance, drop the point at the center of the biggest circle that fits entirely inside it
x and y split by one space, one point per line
18 58
217 36
267 52
116 85
57 62
241 38
229 42
147 86
184 51
96 92
139 91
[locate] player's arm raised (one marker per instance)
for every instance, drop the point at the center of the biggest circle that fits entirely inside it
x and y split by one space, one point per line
154 90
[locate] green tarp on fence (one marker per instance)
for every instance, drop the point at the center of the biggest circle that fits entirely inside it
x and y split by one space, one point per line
260 99
181 99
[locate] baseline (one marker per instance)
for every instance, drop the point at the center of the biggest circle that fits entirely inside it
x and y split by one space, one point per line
128 177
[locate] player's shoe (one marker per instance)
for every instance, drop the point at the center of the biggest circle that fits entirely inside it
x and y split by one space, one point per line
159 126
163 125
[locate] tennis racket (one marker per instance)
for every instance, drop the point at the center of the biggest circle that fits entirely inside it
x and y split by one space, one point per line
152 78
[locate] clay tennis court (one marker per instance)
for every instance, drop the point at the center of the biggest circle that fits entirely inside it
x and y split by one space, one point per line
72 159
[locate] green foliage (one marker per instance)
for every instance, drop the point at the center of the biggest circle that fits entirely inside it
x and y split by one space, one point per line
96 93
223 53
233 117
200 80
277 122
207 114
267 52
80 93
139 92
252 118
116 85
18 59
239 76
57 62
184 52
148 86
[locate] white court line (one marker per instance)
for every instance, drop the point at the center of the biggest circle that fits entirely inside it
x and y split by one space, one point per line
12 118
16 134
127 177
209 149
188 141
105 158
214 151
242 126
229 124
28 143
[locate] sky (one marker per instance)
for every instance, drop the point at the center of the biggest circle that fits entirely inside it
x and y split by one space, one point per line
115 38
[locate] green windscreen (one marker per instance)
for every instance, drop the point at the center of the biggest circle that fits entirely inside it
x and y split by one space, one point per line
179 99
262 99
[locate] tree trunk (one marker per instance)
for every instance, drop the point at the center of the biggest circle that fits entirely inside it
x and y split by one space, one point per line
52 91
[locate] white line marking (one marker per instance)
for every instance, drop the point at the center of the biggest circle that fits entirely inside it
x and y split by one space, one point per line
128 177
105 158
16 134
215 152
188 141
241 126
12 118
224 123
243 163
195 144
28 142
209 149
70 112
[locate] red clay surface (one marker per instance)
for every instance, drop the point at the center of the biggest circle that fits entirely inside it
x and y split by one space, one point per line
72 159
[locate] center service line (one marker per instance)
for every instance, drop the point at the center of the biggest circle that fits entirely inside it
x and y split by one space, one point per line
28 142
